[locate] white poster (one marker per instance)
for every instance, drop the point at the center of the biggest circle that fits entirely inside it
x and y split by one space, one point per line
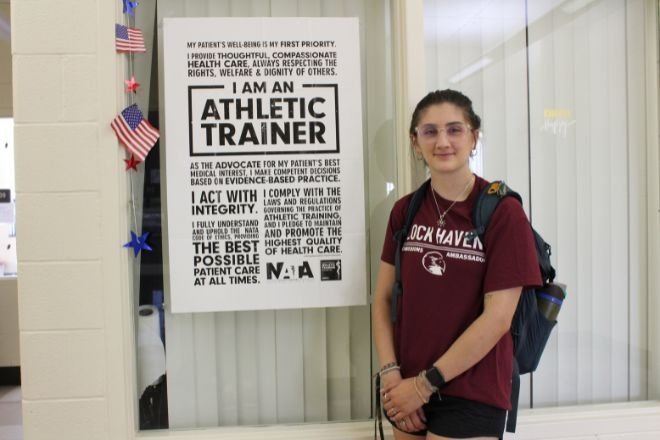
263 163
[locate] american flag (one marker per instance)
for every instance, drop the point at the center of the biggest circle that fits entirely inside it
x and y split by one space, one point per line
128 39
135 132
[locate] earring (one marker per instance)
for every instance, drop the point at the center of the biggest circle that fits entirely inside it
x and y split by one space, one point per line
418 156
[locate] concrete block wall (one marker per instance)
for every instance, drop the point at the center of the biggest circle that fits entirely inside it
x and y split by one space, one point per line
69 215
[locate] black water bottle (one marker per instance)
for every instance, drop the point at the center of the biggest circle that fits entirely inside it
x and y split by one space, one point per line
550 298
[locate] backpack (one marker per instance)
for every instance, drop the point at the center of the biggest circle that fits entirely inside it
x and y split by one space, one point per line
535 314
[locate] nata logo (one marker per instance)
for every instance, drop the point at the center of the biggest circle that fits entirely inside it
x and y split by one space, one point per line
281 271
434 263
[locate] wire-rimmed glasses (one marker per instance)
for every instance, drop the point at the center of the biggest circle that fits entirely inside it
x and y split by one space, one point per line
454 131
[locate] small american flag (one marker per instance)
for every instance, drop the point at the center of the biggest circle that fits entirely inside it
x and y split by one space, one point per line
135 132
128 39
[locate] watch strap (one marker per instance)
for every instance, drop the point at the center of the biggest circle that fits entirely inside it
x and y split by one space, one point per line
435 377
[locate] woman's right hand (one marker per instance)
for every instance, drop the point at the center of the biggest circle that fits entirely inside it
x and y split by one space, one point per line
389 381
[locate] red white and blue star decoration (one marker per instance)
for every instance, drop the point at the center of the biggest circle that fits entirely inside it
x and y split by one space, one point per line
138 243
131 85
131 128
129 6
132 163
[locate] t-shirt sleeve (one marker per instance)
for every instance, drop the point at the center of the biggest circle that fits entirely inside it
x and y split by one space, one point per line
510 251
394 223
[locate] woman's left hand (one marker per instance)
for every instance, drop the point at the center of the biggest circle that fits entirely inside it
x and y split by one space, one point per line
402 401
414 422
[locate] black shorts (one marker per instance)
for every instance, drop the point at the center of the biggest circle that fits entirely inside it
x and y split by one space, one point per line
461 418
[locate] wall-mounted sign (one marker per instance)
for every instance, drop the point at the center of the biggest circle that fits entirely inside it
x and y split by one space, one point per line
263 163
5 196
6 207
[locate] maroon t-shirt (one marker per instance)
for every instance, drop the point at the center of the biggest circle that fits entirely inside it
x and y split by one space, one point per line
445 277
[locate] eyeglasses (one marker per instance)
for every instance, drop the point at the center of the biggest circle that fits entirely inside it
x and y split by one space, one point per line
454 131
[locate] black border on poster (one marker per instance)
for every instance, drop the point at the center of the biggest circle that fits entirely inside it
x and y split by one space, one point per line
264 152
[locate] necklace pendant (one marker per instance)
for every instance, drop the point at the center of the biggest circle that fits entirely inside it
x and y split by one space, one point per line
441 222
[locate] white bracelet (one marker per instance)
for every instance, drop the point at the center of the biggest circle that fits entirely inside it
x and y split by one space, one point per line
387 369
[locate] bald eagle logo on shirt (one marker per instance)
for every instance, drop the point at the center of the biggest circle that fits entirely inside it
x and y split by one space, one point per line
434 263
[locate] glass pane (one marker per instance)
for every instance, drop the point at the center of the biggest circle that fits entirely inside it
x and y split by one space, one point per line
288 366
560 88
587 146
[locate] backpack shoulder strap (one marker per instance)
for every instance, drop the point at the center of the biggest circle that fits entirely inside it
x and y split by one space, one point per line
400 237
488 199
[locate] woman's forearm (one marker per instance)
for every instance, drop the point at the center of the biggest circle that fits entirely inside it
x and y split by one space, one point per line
382 326
482 335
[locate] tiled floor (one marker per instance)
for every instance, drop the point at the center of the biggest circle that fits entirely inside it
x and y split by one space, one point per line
11 421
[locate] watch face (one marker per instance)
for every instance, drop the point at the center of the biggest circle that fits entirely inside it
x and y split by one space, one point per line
435 377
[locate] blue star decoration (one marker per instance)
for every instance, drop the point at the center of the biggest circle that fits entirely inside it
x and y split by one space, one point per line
129 6
138 243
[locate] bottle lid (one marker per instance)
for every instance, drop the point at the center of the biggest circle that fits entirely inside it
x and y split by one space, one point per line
550 298
555 290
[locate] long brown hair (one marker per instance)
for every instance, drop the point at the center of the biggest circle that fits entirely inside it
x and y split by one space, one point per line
441 96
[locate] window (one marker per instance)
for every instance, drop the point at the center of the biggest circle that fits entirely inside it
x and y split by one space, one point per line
561 89
285 366
564 123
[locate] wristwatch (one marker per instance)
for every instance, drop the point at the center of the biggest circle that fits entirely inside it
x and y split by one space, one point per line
434 376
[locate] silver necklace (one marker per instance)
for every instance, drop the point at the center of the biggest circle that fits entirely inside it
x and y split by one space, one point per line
441 215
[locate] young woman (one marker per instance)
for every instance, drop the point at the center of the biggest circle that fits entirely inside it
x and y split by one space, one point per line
446 362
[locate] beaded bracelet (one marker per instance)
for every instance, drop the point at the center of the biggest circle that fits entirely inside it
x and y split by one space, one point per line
419 393
429 386
386 369
388 365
